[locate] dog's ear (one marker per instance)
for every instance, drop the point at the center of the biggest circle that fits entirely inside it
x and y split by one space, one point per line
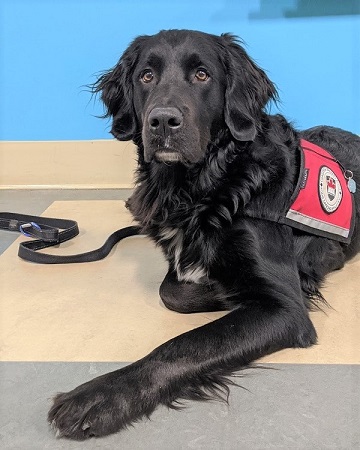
248 91
116 89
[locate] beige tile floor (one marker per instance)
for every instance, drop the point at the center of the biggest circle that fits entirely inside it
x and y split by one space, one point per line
114 304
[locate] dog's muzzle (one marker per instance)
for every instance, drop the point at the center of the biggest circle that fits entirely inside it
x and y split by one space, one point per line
163 124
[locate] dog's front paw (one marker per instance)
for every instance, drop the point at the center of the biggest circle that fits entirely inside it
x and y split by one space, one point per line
100 407
80 415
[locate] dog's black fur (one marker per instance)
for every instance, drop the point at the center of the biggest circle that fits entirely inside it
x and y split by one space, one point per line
210 159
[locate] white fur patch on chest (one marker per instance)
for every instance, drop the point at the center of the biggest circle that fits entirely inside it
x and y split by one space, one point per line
172 241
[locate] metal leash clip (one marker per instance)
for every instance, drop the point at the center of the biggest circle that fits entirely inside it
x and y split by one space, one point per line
28 226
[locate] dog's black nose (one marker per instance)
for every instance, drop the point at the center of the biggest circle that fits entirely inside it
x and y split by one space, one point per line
165 120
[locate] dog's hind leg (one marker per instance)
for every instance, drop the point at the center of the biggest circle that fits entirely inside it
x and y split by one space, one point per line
185 297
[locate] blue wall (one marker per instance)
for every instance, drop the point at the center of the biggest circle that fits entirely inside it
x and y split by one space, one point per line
49 49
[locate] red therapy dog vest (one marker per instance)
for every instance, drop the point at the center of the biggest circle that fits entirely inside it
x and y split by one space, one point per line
322 203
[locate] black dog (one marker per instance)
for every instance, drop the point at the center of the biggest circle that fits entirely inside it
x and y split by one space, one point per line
216 184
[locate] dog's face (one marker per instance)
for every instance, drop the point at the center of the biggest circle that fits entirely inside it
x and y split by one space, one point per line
178 98
174 91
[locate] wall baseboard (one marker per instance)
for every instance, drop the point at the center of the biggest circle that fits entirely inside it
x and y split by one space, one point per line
102 164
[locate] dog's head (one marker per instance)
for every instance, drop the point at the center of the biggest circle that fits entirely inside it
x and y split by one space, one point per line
174 91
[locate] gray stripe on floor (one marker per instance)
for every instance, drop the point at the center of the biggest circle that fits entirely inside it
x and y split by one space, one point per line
293 407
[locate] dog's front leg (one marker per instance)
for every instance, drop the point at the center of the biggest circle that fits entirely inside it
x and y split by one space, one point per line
191 366
270 316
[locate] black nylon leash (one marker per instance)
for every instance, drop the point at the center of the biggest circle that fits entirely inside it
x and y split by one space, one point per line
49 232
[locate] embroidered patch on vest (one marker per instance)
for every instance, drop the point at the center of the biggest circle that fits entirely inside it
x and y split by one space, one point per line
330 190
322 203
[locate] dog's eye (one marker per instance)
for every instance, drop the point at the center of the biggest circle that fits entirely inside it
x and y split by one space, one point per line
147 76
201 75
